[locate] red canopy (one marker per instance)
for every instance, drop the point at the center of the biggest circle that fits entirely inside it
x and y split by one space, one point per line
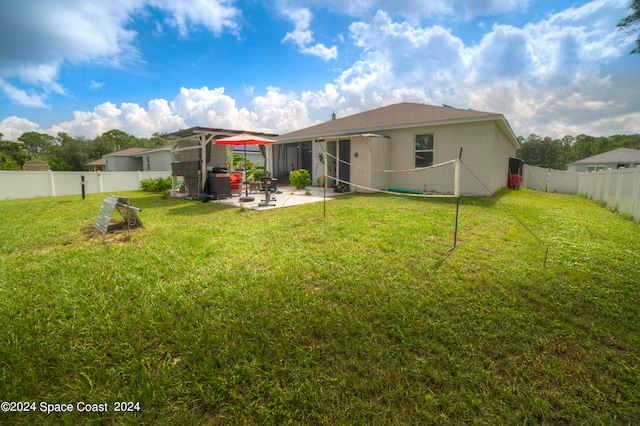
245 139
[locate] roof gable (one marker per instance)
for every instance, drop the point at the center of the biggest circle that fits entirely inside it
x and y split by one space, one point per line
126 152
99 162
165 147
620 155
404 114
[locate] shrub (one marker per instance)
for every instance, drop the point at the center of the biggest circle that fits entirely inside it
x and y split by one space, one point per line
299 178
156 185
255 173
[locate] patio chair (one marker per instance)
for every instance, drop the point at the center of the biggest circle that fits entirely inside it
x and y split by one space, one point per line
236 179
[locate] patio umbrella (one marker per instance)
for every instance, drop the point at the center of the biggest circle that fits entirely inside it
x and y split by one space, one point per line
244 140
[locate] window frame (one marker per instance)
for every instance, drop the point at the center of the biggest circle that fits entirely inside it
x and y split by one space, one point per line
594 168
416 150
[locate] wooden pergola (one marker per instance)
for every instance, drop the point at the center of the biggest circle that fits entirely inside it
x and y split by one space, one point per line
194 150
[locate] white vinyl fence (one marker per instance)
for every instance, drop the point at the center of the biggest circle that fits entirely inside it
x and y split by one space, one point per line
23 184
619 189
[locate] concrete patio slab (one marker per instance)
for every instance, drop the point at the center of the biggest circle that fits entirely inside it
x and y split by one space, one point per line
287 196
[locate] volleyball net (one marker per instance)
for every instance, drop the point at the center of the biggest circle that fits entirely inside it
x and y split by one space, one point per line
438 180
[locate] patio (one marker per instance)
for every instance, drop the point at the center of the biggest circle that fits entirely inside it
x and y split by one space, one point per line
287 196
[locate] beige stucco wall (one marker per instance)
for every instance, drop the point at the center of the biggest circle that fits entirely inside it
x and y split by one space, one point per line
369 155
485 153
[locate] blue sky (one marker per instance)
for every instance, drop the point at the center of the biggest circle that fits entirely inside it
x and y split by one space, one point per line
551 67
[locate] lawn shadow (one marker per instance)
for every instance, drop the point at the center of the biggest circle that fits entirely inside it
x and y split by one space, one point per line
197 208
486 201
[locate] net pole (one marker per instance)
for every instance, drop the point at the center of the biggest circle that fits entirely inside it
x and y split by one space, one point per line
326 173
457 191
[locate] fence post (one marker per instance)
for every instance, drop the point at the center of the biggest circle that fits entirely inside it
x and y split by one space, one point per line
619 172
635 197
52 185
607 187
100 189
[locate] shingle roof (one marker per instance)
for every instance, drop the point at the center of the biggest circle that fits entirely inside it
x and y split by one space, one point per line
167 146
392 116
620 155
99 162
128 151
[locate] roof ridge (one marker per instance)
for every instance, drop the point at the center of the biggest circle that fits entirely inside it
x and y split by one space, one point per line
390 116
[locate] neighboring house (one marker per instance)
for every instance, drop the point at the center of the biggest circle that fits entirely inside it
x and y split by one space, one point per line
399 137
621 157
156 159
99 165
124 161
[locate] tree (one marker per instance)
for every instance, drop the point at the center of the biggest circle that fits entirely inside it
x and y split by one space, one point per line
114 140
36 143
13 155
70 154
631 23
155 140
8 163
542 152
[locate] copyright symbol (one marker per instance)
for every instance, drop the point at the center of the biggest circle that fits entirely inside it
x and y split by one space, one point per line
5 406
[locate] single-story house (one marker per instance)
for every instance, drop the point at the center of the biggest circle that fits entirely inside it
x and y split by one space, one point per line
124 161
156 159
621 157
362 148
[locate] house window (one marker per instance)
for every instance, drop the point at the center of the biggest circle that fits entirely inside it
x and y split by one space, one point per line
424 150
148 163
594 168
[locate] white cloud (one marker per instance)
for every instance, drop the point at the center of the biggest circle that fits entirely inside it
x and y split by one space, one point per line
21 96
59 32
272 112
553 77
526 73
327 98
280 112
216 15
95 85
412 10
212 108
129 117
303 38
13 127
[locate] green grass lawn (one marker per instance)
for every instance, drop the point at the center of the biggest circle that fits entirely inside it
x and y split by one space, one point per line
213 315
